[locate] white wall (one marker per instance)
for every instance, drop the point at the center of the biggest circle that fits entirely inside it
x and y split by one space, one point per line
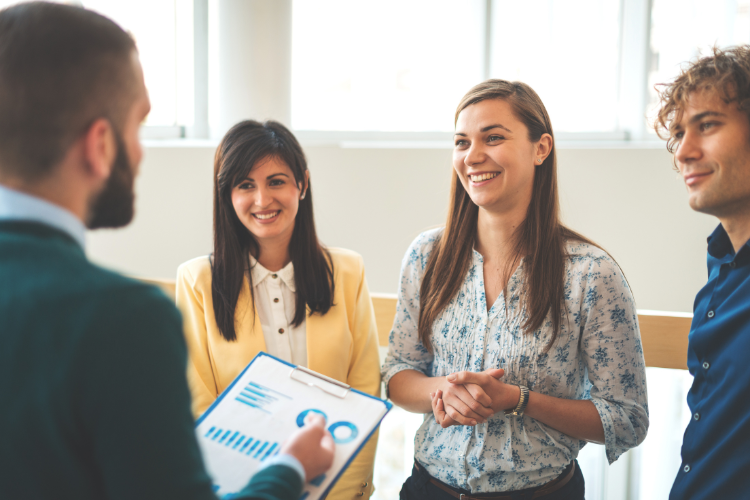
375 201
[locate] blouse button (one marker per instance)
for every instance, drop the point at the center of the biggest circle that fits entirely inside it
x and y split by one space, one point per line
274 276
275 300
732 264
706 365
686 468
281 330
710 314
697 416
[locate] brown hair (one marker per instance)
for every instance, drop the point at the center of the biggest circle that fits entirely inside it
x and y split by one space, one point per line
540 238
725 71
61 68
247 143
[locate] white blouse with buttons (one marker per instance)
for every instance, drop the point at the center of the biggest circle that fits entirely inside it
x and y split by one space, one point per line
276 300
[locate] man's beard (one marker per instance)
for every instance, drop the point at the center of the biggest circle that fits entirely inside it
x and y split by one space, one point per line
114 205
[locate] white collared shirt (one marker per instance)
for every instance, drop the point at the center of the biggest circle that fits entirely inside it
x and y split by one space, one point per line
276 300
15 205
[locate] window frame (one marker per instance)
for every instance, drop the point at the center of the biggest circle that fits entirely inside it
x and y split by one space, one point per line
635 59
634 55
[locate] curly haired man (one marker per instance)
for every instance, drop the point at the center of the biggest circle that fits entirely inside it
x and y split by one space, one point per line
705 116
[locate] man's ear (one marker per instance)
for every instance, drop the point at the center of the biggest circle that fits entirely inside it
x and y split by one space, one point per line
99 148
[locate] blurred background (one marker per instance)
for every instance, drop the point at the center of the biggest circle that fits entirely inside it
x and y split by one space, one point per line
370 89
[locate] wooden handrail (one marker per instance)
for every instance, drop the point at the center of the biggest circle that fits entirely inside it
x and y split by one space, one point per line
664 335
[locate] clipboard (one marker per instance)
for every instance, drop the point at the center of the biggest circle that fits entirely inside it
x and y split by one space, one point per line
269 400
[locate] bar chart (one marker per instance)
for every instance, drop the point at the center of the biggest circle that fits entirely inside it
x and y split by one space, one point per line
257 449
260 397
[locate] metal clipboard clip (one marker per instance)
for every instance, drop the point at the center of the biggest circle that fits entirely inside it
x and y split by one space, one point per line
314 379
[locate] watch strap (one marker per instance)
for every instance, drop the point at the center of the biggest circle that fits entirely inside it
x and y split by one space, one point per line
523 400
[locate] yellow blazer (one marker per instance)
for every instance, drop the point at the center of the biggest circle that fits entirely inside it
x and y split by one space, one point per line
342 344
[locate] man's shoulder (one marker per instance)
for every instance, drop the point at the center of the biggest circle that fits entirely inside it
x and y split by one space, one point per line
124 292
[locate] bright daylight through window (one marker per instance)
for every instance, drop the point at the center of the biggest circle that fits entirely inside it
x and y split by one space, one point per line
164 37
389 65
568 52
683 29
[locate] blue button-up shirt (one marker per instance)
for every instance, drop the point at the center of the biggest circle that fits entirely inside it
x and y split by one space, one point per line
715 449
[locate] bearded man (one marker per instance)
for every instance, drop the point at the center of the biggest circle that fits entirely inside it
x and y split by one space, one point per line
95 402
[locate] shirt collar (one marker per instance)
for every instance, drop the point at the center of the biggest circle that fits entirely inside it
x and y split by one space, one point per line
259 273
15 205
720 246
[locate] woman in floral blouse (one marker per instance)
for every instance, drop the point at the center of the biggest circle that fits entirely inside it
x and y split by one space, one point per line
518 334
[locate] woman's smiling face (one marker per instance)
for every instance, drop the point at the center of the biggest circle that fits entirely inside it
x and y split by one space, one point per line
493 156
267 200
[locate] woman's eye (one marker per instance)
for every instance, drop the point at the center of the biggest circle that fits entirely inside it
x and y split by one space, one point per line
678 135
276 182
461 143
244 185
494 138
707 125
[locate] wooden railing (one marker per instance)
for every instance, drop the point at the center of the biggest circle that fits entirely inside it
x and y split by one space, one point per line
664 335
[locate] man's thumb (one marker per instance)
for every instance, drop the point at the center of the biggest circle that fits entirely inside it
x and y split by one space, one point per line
495 372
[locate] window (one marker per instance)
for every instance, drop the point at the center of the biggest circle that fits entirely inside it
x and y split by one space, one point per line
165 42
682 30
163 31
568 52
404 66
391 65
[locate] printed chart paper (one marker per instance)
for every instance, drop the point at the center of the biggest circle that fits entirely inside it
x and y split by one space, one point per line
264 405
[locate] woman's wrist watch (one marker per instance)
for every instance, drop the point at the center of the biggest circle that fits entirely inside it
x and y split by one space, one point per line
522 402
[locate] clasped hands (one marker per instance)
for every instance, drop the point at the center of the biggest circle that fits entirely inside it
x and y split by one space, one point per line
468 398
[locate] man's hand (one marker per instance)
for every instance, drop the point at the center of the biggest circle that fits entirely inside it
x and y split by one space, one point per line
312 445
487 384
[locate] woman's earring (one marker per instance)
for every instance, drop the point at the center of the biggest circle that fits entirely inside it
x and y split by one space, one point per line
539 160
303 196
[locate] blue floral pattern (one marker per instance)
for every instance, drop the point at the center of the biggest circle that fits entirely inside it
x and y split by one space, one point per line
597 356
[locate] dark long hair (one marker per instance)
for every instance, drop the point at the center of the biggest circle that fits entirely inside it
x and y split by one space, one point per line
540 238
247 143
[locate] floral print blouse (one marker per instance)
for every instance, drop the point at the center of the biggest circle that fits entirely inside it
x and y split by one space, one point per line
597 356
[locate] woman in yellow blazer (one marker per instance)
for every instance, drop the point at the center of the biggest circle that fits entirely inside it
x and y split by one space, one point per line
270 286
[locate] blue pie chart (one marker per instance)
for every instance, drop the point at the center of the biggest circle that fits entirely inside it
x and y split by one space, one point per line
338 439
301 416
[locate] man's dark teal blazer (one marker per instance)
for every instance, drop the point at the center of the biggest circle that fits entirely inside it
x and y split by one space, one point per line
94 403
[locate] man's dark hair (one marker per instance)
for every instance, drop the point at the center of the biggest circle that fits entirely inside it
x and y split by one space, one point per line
61 68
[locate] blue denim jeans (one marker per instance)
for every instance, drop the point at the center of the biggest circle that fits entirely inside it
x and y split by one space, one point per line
419 487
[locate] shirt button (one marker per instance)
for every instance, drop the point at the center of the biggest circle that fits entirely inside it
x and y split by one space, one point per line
276 300
706 365
281 330
274 276
710 314
732 264
697 416
686 468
